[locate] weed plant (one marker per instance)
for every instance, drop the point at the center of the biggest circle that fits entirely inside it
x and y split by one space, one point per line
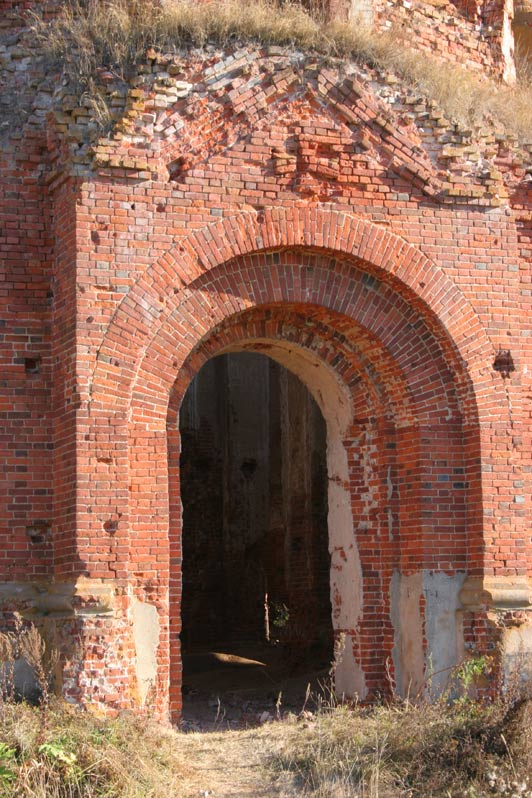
50 749
445 748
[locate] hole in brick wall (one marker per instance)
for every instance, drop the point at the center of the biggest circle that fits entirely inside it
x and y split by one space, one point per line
111 526
39 533
177 168
248 467
504 362
32 365
256 612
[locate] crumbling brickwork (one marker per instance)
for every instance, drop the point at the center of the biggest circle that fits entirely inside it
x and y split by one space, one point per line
262 199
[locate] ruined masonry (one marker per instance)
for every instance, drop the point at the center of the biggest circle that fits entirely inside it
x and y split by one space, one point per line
330 230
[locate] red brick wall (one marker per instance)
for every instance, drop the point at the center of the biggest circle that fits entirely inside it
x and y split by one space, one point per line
267 202
471 33
26 297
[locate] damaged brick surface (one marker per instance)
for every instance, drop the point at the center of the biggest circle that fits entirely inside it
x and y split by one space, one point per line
258 197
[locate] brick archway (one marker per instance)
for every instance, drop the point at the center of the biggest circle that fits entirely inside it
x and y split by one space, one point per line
411 274
373 426
392 328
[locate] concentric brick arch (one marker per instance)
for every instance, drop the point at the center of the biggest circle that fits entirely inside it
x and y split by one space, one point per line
368 334
284 322
143 313
398 455
380 328
390 318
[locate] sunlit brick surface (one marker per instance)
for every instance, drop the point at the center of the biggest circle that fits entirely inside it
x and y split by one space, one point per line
272 202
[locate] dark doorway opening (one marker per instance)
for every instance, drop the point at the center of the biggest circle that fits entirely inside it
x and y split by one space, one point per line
256 611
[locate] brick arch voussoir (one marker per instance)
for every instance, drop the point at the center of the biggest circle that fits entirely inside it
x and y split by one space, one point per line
258 289
266 324
143 312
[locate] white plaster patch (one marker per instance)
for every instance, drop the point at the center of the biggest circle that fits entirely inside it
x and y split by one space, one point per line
346 569
508 44
146 637
360 12
407 653
22 676
346 588
517 655
443 627
348 676
389 512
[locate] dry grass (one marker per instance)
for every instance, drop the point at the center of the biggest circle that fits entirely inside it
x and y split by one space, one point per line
79 756
53 750
405 751
460 750
90 34
449 749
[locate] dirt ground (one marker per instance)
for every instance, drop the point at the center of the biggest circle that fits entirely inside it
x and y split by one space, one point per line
243 685
233 763
232 696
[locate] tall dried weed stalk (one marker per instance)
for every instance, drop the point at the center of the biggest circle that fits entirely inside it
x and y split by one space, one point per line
49 749
26 644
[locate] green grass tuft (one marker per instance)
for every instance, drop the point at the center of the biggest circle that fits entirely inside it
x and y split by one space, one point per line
77 755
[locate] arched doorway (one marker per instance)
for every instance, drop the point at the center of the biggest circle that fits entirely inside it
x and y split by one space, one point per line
384 443
376 326
256 611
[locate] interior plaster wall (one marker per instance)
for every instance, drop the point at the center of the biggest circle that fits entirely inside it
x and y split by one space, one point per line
254 493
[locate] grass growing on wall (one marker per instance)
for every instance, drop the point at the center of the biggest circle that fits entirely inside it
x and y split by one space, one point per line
90 34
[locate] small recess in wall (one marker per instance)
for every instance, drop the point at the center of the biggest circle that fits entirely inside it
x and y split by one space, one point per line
39 532
504 362
111 526
32 365
248 468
